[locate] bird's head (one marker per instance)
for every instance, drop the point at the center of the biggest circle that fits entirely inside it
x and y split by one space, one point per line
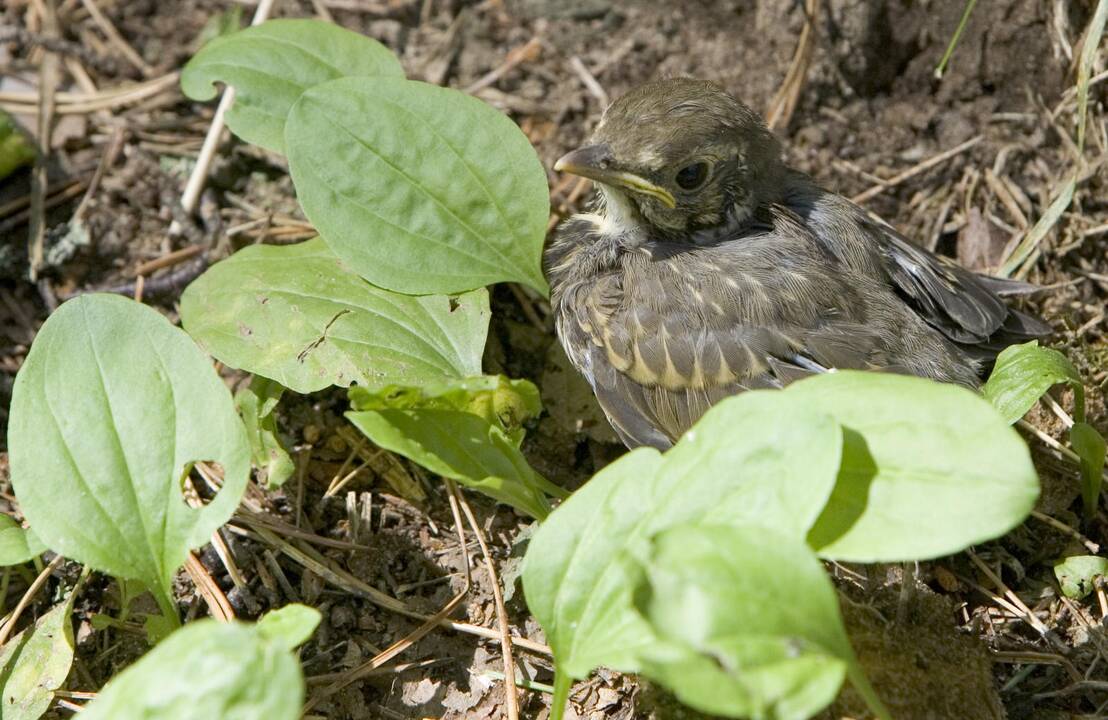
679 155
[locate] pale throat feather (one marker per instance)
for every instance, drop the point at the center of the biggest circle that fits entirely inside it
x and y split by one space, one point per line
617 216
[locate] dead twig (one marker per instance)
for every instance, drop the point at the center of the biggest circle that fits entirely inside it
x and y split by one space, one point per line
411 638
116 39
916 169
784 103
511 702
523 53
48 80
195 184
6 631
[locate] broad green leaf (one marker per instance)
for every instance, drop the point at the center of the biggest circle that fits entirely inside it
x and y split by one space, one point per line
272 64
1077 574
461 446
748 620
928 468
505 402
1090 448
289 626
17 544
297 315
1023 373
111 408
255 404
210 670
752 458
35 663
418 188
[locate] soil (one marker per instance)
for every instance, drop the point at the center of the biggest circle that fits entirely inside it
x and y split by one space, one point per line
869 109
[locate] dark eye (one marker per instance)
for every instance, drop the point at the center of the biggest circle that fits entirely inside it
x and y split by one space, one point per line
692 176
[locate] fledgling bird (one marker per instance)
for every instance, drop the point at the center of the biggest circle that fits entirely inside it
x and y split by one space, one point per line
710 267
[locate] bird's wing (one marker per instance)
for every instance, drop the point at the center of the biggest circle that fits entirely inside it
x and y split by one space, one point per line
965 307
657 367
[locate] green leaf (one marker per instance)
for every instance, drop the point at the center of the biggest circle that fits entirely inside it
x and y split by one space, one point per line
16 148
17 544
272 64
1090 448
505 402
289 626
461 446
297 315
219 25
35 663
1077 574
751 458
748 622
928 468
1023 373
418 188
255 404
208 670
110 410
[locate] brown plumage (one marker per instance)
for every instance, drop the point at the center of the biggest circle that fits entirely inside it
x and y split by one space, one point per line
709 267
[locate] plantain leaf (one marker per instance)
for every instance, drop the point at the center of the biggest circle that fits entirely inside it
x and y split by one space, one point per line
109 411
747 621
1090 448
1077 574
297 315
418 188
461 446
17 544
272 64
1023 373
928 468
211 670
35 663
751 458
255 404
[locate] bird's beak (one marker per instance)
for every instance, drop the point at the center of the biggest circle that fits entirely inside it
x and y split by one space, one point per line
595 163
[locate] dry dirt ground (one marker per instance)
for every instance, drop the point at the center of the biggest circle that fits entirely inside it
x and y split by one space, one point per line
869 119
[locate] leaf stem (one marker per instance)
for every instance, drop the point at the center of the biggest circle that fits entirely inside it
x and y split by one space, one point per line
861 683
168 607
562 684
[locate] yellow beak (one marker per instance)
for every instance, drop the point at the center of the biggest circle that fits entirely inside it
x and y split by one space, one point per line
593 162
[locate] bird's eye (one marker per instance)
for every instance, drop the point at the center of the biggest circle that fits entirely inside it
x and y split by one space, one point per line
692 176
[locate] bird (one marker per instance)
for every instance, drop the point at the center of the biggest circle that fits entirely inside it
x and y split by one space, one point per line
707 267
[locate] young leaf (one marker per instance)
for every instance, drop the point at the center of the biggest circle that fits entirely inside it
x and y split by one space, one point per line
297 315
17 544
255 404
1090 448
751 458
1077 574
272 64
461 446
748 621
928 468
1023 373
111 407
505 402
289 626
35 663
212 670
418 188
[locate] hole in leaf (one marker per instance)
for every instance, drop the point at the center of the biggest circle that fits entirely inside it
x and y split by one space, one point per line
201 481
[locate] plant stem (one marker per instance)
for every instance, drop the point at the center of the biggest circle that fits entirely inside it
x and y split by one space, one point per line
562 683
167 606
954 40
861 683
